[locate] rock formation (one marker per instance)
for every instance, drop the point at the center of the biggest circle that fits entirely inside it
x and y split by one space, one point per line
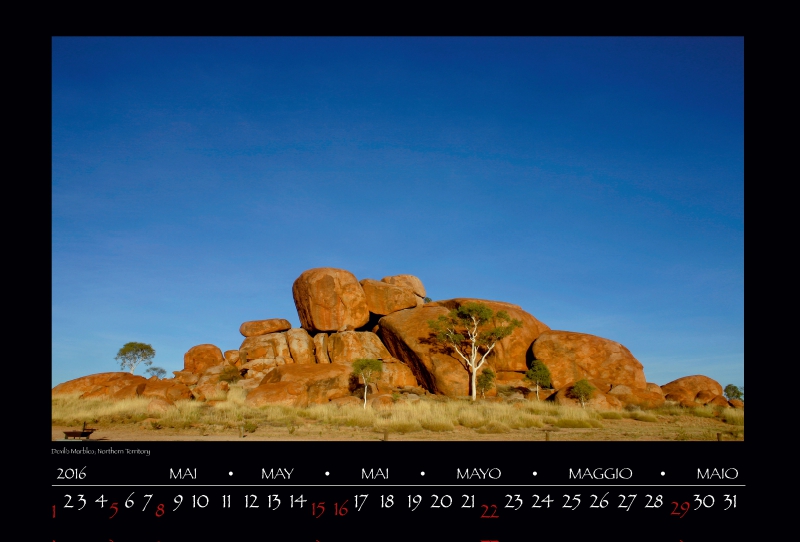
343 319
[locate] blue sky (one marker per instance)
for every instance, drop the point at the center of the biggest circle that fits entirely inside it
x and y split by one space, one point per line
596 182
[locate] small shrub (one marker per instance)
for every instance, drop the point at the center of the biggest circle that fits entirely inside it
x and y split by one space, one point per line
610 415
249 427
230 374
494 427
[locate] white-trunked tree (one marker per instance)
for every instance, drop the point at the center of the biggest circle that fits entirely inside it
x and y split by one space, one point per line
472 331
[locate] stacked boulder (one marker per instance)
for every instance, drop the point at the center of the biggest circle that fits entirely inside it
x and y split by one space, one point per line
343 319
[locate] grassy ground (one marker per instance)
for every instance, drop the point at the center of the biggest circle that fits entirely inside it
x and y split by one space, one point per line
429 419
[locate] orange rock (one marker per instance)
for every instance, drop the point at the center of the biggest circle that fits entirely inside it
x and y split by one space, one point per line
654 388
329 299
278 393
408 338
736 403
168 390
255 328
705 396
348 346
513 352
232 358
114 381
572 356
321 382
270 346
637 397
598 400
380 401
384 298
201 357
321 348
301 346
186 377
685 389
158 405
409 282
718 400
397 374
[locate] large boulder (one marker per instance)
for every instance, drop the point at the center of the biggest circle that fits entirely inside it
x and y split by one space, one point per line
270 346
384 298
513 352
118 385
262 327
329 299
573 356
637 397
292 394
686 389
408 338
396 374
301 346
321 382
409 282
347 346
201 357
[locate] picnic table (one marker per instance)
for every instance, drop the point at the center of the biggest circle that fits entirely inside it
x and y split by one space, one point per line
83 433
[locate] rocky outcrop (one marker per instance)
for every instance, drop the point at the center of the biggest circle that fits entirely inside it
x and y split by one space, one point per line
384 298
301 346
321 348
201 357
513 352
574 356
329 299
408 338
321 382
270 346
119 385
686 389
408 282
347 346
291 394
262 327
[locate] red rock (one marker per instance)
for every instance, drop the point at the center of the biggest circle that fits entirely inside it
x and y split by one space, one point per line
255 328
321 382
637 397
292 394
113 381
572 356
513 352
186 377
301 346
409 282
321 348
270 346
201 357
158 405
654 388
329 299
232 358
384 298
704 396
168 390
718 400
685 389
408 338
347 346
736 403
396 375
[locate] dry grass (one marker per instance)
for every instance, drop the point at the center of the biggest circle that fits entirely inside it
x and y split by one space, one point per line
440 419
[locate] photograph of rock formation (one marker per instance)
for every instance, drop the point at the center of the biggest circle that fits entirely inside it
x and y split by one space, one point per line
398 239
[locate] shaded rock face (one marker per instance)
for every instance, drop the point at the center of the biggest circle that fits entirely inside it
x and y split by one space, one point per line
232 358
513 352
347 346
572 356
329 299
384 298
270 346
301 346
687 388
408 338
408 282
321 383
262 327
119 385
321 348
201 357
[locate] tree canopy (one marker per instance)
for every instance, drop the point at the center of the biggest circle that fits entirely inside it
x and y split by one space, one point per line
581 391
132 354
539 374
733 392
472 331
